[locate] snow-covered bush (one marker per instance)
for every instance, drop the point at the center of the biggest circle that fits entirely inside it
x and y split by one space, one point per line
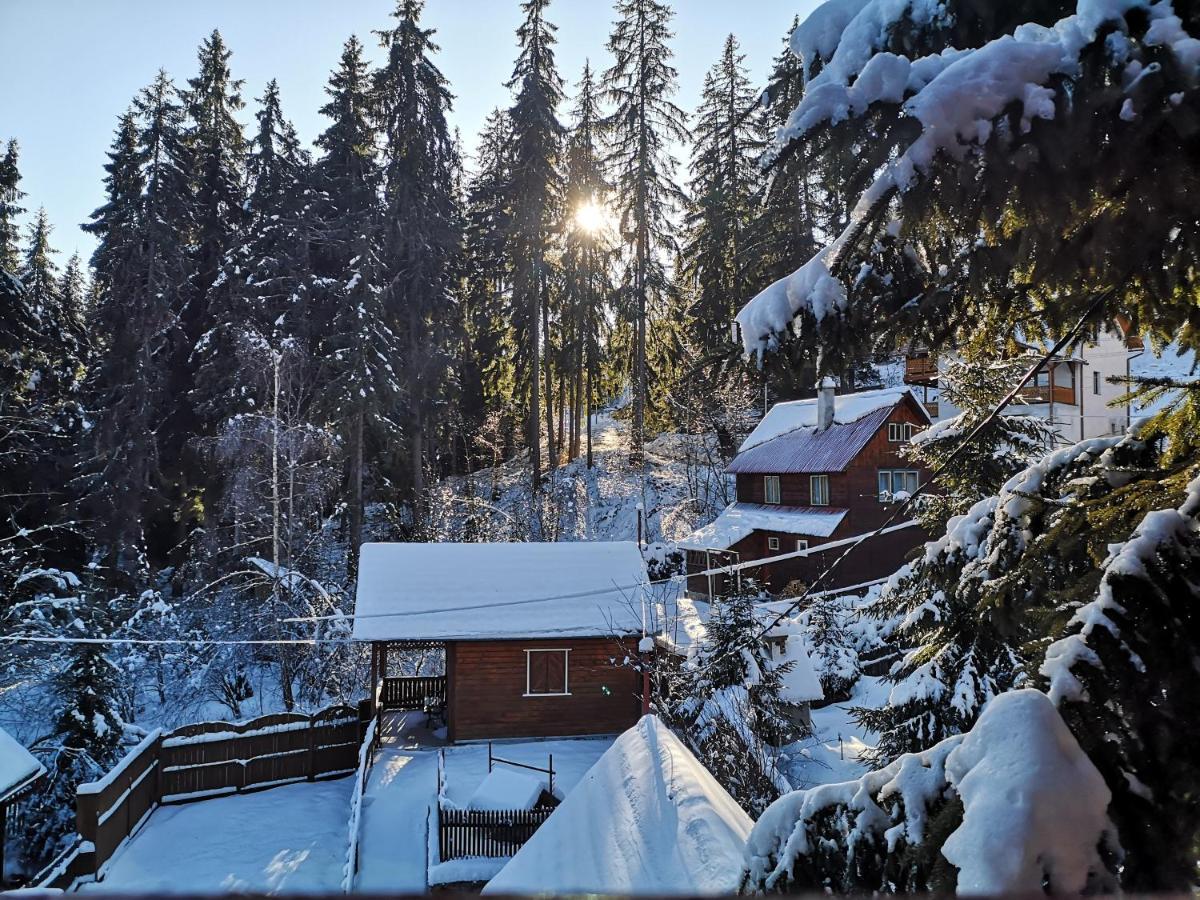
1013 806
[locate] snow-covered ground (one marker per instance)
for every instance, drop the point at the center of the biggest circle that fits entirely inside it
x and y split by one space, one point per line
288 839
398 843
832 754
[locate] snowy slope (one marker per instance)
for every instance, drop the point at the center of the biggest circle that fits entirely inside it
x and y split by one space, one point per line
678 492
647 818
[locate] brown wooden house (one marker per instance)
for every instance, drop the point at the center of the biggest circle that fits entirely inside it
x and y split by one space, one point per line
813 473
537 636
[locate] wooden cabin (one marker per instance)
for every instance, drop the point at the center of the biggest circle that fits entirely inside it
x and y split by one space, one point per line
538 637
816 472
20 771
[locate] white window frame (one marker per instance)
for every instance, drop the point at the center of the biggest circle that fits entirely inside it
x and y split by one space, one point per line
895 432
772 543
886 494
566 652
770 481
813 481
801 544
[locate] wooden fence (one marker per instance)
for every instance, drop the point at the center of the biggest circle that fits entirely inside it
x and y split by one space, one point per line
209 759
486 832
411 692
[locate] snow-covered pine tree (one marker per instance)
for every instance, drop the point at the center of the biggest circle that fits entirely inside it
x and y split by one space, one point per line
643 125
588 256
420 237
141 267
259 300
716 254
10 207
535 200
728 705
1008 442
486 365
360 349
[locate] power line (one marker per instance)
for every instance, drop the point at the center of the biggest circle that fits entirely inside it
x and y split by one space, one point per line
183 642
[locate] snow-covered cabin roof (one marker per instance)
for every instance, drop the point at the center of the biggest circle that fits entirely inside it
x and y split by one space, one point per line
739 520
647 818
787 440
18 767
446 591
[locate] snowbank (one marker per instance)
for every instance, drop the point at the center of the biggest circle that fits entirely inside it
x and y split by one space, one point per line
648 818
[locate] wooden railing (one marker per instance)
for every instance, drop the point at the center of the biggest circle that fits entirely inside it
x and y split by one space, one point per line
411 692
366 757
486 832
1043 393
209 759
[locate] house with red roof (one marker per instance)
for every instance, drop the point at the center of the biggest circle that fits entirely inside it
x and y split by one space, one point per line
812 477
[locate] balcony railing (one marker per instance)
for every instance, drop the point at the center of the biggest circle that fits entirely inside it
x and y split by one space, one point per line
920 370
1044 393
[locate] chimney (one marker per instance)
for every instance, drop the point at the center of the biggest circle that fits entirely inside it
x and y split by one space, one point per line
825 391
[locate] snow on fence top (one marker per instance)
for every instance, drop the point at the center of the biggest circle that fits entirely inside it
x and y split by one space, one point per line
448 591
17 766
647 818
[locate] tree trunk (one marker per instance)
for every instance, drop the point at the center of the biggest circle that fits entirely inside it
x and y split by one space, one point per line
533 420
356 486
548 405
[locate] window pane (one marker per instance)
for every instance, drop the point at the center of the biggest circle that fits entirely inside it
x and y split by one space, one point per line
556 672
910 481
885 483
539 673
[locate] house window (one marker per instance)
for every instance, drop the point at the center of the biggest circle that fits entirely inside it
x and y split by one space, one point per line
898 432
801 545
818 486
1095 382
772 543
893 481
771 488
546 673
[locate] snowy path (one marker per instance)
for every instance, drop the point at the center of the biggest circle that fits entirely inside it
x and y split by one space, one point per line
396 806
286 839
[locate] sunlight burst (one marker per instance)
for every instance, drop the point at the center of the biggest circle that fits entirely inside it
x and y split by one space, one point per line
592 217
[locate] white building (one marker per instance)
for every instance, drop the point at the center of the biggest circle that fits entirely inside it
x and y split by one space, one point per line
1073 393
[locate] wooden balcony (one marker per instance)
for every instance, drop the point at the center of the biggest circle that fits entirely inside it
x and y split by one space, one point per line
921 370
1043 393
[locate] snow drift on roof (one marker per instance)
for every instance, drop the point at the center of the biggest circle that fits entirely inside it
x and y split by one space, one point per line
17 765
451 591
648 818
847 408
739 520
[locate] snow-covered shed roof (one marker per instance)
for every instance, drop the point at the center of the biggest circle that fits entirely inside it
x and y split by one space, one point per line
739 520
18 766
447 591
647 818
787 440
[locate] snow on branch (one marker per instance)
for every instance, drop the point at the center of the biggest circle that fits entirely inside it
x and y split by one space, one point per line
1033 814
956 96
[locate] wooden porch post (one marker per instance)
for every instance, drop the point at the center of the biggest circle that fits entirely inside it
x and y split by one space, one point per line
374 669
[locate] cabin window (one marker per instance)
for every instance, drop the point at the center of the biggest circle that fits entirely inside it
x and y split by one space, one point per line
546 673
1095 382
898 432
772 543
818 487
893 481
801 545
771 488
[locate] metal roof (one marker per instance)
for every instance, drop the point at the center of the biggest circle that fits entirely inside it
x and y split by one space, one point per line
808 450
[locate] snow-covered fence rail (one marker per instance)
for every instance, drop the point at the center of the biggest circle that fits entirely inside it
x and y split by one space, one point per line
464 833
204 760
109 810
220 758
366 755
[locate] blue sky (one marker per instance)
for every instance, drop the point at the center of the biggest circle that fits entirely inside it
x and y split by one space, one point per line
71 66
